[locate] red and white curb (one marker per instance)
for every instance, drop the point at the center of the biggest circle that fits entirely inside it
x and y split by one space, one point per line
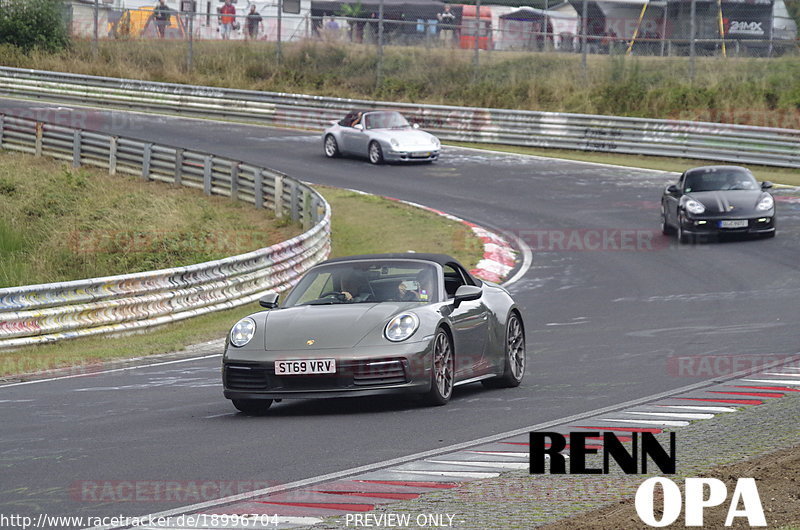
499 256
364 489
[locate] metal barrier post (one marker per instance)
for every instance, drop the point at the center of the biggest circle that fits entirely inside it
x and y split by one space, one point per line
2 127
148 149
235 180
207 176
76 148
178 166
38 144
306 209
258 192
278 196
112 155
293 206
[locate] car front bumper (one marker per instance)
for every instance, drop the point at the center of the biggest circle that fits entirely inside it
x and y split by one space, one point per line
410 155
401 369
700 226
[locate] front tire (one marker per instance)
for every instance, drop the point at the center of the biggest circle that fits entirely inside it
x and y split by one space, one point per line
514 369
683 237
442 370
375 153
331 147
666 229
252 407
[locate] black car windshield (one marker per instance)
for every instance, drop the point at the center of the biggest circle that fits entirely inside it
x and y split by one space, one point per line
366 281
720 180
385 120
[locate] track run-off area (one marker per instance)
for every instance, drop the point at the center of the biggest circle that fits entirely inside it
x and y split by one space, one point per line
614 312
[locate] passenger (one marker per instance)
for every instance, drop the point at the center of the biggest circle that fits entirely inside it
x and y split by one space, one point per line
424 290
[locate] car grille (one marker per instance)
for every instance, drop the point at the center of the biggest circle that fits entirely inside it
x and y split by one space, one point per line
351 375
379 373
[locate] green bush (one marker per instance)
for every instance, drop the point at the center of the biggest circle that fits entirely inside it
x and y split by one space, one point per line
33 24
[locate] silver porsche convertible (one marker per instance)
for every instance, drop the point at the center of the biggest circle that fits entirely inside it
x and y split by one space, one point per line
376 324
379 135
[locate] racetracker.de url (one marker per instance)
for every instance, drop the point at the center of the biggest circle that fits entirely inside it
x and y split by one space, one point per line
201 520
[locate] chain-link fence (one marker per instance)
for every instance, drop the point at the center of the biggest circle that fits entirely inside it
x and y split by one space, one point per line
725 28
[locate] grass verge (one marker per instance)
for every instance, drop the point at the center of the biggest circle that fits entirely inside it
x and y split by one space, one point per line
360 224
777 175
58 223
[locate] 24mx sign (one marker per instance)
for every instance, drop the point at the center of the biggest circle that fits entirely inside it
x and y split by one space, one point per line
739 27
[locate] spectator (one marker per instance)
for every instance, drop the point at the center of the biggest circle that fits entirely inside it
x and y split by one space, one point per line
226 19
447 22
161 15
254 22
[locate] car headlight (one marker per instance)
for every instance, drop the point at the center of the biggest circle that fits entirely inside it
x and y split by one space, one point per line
401 327
394 142
243 331
766 203
435 141
693 206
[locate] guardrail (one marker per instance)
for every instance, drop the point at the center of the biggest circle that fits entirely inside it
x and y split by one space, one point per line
44 313
744 144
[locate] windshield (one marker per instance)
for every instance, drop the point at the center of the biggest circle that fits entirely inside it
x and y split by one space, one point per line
366 282
720 180
385 120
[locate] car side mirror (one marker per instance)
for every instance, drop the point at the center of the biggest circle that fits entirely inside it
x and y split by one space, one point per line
766 185
269 301
416 125
465 293
358 127
673 189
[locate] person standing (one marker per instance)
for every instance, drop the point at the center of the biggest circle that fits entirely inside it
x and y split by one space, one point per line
447 22
161 16
227 17
254 22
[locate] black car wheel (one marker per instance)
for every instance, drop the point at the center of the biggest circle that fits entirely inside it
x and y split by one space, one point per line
683 237
331 147
375 153
666 229
514 369
252 407
442 371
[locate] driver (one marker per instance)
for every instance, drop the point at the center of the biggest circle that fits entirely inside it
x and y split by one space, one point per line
353 288
424 293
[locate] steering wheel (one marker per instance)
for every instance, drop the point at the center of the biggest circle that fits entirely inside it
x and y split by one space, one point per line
334 294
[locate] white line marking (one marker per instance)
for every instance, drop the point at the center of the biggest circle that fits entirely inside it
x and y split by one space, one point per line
500 453
509 465
774 381
650 422
126 368
683 415
698 407
527 258
457 474
781 374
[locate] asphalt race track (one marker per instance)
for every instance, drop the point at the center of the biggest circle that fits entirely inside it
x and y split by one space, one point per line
607 301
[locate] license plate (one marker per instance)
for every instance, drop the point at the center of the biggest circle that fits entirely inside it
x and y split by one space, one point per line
733 223
421 155
305 367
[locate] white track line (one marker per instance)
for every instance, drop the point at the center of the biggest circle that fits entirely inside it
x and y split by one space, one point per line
679 415
774 381
456 474
508 465
698 407
649 422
